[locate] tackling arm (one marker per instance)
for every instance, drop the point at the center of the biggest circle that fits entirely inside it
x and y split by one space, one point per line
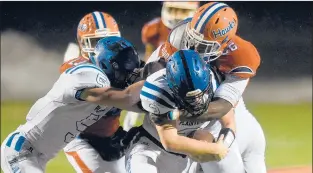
226 98
228 121
124 99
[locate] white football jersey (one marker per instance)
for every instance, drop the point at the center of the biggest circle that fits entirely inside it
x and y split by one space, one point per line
157 98
55 119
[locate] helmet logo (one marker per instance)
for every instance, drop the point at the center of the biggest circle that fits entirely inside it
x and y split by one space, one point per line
82 27
224 31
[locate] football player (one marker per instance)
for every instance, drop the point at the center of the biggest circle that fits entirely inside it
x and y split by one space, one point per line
155 32
68 109
212 33
185 84
91 151
188 84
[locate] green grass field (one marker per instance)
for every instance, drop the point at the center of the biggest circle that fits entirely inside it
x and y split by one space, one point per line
288 131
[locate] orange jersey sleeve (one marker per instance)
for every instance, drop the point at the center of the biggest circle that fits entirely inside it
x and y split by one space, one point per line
242 59
72 62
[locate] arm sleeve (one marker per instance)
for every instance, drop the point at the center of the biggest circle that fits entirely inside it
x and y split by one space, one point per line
82 77
232 88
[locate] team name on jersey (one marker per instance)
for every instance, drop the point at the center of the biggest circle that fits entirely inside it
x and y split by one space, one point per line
188 123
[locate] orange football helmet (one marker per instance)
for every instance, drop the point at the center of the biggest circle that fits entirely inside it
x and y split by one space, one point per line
211 28
92 27
174 12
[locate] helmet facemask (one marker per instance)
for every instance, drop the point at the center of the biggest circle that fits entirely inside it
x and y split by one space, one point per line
133 76
123 76
194 102
209 50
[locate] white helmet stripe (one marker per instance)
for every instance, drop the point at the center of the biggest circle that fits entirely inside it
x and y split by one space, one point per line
99 20
206 15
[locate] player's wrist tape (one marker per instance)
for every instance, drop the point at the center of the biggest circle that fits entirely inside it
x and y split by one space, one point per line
78 94
229 136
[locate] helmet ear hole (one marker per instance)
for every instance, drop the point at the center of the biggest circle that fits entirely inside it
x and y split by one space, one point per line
217 20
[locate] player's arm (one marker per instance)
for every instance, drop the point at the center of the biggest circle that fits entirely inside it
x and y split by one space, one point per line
174 142
127 99
88 83
225 98
217 108
228 120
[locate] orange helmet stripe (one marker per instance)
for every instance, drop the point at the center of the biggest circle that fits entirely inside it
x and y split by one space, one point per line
207 15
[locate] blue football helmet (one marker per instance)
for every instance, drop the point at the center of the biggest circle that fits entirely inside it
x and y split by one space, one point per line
189 78
118 58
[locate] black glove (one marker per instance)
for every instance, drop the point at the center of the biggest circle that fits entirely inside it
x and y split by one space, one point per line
132 136
229 136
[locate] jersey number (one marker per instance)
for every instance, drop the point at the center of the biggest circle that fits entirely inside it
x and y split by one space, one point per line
230 48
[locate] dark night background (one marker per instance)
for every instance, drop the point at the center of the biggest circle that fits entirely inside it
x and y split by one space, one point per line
282 31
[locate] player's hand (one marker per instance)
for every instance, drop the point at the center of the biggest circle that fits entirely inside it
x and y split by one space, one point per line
222 149
202 158
219 154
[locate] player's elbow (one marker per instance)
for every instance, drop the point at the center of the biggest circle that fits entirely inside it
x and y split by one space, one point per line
169 144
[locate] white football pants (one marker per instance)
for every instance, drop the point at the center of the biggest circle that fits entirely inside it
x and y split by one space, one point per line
147 157
85 159
18 155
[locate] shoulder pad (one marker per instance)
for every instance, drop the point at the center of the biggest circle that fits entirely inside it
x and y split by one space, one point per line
166 50
82 68
71 63
241 59
89 74
155 95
